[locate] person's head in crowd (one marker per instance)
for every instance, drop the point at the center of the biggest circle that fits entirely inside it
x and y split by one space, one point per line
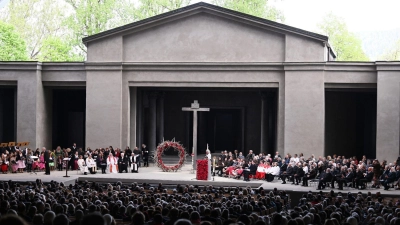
183 222
49 217
12 219
37 219
93 219
61 219
109 219
138 218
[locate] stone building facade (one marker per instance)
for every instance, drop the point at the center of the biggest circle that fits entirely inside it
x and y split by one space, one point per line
270 87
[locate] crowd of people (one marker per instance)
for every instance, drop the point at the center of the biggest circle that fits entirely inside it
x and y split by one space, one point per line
87 203
297 169
109 160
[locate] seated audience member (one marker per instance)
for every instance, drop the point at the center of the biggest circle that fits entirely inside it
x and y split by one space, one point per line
82 165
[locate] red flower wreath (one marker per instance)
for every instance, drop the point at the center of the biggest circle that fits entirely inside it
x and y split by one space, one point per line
177 147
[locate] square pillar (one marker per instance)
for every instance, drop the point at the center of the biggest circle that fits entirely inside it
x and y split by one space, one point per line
104 106
388 112
304 110
33 109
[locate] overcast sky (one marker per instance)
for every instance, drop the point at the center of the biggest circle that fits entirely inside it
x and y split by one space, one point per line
360 15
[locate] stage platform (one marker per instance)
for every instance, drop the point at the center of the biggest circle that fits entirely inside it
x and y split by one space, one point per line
153 175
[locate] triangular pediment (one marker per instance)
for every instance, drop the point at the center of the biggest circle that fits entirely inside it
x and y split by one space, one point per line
206 33
203 7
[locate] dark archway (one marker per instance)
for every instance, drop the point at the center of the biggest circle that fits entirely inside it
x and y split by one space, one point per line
350 122
8 116
69 115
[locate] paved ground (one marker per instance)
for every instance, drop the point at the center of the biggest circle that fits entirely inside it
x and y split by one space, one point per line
154 175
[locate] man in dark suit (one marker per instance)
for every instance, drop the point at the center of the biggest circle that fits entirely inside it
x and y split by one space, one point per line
288 173
367 178
46 160
74 149
251 170
346 179
389 178
145 155
324 178
123 163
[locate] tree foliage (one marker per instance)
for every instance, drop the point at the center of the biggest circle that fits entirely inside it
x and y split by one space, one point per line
55 49
12 46
347 45
259 8
35 21
149 8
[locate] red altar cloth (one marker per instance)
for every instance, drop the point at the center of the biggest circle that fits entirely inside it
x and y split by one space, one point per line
202 172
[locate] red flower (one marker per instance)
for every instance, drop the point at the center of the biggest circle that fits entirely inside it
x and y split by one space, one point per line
202 171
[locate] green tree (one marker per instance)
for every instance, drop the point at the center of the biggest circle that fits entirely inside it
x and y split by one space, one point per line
259 8
35 21
90 17
55 49
12 46
347 45
149 8
393 53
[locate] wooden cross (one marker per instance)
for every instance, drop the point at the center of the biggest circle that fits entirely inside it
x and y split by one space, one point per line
195 107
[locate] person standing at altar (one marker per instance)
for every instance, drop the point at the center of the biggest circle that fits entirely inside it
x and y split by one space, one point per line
112 163
145 154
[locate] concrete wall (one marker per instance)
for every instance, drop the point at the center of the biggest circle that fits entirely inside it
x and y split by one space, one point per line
204 38
301 49
105 50
304 111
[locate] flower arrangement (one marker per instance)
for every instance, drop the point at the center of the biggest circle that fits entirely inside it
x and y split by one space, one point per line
164 146
202 171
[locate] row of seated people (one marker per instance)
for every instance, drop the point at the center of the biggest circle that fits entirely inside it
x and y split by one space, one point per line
111 164
253 168
342 171
359 178
356 176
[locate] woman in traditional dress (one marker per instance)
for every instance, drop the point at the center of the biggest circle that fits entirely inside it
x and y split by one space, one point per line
14 163
57 153
4 163
112 163
35 163
76 158
82 165
52 159
29 160
21 161
42 164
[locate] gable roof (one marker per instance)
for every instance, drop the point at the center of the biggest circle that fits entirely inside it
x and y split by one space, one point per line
201 7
